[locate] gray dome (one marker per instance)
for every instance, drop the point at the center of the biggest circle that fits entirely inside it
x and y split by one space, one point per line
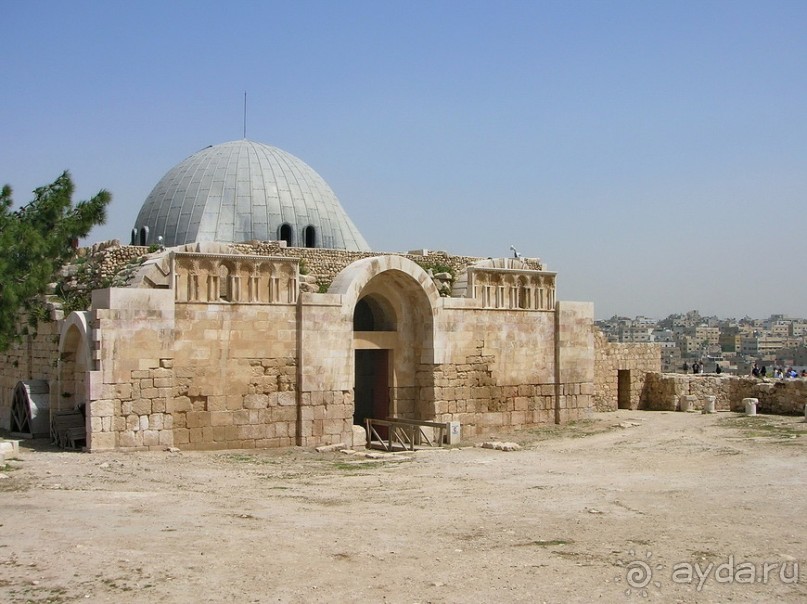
243 190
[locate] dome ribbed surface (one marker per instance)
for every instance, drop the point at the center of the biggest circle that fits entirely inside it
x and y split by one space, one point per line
242 191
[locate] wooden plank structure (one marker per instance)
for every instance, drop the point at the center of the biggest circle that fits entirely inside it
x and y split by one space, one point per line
30 409
68 429
404 434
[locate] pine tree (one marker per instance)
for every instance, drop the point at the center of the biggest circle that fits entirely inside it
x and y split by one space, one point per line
35 241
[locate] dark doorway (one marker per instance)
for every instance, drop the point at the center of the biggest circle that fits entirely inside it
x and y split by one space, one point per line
285 234
623 388
371 396
310 236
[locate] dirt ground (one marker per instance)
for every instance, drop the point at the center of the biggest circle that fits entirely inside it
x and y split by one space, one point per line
670 507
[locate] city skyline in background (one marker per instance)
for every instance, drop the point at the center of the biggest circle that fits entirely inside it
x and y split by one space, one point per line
653 154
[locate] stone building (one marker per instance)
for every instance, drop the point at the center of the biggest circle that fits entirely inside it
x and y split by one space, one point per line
266 321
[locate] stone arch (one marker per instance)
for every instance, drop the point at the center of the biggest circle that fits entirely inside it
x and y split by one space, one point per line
374 313
392 303
285 232
310 236
74 365
355 277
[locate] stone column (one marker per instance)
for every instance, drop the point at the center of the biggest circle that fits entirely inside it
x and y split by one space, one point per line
686 402
750 405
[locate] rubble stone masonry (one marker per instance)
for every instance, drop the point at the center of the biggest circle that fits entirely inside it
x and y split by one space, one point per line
663 392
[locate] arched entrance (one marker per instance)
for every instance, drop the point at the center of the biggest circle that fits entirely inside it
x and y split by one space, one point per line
393 304
374 326
69 408
73 369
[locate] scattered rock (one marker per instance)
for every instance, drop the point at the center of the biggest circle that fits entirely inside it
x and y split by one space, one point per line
626 425
172 450
330 448
501 446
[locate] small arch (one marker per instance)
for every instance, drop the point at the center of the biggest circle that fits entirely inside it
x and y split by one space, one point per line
224 283
286 233
310 236
374 313
75 361
524 293
144 235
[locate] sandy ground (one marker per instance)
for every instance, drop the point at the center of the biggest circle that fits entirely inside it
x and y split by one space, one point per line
670 507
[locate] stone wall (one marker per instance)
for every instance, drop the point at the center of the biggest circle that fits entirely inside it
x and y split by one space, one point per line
236 376
230 367
663 392
612 357
470 393
109 263
33 357
324 264
131 385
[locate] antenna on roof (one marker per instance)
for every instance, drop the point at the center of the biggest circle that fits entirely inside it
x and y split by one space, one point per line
245 115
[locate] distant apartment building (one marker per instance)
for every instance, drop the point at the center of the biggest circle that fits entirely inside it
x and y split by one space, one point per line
761 345
780 329
798 329
709 336
729 339
635 333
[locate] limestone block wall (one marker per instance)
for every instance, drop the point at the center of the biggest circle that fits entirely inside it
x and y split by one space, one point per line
131 389
470 393
235 371
34 357
610 358
779 396
663 392
326 368
501 369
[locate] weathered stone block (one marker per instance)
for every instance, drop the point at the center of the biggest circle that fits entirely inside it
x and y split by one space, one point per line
141 406
256 401
222 418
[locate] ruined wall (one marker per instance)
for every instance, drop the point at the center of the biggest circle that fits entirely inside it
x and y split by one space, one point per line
663 392
33 357
610 358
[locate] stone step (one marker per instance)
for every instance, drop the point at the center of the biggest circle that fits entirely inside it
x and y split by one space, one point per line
8 448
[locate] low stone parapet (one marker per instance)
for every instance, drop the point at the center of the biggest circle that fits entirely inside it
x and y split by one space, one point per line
664 392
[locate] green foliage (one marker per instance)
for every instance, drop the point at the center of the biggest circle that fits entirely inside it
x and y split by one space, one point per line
35 241
303 267
437 267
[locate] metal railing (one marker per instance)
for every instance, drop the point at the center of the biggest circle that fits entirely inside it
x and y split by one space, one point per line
404 434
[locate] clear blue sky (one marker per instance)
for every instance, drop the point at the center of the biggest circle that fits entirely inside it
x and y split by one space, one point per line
654 154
